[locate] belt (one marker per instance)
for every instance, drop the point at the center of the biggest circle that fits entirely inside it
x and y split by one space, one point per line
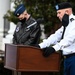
69 55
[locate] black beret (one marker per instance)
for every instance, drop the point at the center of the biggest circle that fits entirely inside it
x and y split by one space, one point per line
19 10
63 5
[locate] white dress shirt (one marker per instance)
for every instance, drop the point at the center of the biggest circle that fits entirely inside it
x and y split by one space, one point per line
67 44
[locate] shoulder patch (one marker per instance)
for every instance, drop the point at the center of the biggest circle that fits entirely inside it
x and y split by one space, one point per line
17 29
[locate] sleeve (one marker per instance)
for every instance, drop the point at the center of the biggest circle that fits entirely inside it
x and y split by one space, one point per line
68 39
14 40
52 39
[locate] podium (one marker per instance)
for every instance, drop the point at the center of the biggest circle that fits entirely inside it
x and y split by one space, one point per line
29 60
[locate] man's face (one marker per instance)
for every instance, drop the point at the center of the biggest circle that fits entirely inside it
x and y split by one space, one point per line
23 16
60 14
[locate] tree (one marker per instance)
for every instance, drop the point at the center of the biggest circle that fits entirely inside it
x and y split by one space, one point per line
39 9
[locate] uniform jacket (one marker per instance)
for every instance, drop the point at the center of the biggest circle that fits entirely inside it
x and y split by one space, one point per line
67 44
27 33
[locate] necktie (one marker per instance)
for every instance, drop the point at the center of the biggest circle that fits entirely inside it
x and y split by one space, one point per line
63 32
65 28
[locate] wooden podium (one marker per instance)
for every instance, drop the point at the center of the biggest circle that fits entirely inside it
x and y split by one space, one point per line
29 60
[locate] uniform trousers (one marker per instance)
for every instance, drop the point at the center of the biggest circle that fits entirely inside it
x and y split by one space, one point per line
69 65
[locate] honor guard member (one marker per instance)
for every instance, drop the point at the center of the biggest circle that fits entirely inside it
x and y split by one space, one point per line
63 39
27 31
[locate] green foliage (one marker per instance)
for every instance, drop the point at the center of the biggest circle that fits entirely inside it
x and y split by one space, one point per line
10 16
38 9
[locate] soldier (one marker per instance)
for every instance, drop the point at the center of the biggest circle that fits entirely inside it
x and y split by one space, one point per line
27 31
63 39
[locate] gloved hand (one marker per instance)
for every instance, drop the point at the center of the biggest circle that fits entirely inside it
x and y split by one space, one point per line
47 51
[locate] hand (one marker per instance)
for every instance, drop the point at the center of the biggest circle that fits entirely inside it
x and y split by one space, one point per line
47 51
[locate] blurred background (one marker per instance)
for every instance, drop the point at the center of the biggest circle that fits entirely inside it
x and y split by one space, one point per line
42 10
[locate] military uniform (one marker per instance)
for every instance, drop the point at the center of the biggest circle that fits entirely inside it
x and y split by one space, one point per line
27 32
66 43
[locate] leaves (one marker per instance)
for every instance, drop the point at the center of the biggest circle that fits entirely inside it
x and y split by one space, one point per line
39 9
